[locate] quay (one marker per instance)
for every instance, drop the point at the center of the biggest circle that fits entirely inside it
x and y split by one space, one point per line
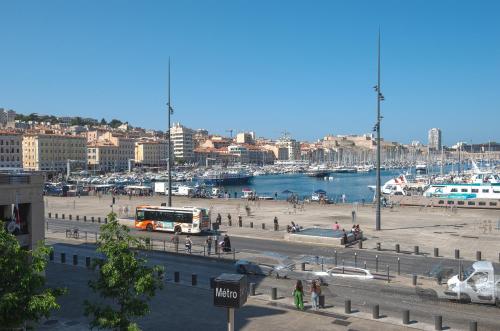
469 230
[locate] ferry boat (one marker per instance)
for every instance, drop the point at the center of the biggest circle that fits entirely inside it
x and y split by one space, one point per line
319 172
216 177
464 191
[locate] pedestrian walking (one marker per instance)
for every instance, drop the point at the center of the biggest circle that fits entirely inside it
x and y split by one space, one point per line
275 220
188 244
298 295
227 243
229 217
315 295
219 219
175 240
209 245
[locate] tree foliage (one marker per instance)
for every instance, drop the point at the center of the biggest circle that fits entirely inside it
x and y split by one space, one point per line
114 123
123 279
23 294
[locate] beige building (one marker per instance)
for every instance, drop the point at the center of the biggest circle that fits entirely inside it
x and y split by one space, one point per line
151 153
107 151
245 138
51 152
11 151
21 207
182 142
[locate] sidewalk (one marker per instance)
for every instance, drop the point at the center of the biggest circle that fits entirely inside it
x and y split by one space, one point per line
181 307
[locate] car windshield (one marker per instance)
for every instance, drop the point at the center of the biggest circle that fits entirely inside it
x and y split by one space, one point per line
468 272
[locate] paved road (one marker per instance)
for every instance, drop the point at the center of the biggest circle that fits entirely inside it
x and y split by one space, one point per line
364 294
408 263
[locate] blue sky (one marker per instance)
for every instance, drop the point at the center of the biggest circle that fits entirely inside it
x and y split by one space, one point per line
307 67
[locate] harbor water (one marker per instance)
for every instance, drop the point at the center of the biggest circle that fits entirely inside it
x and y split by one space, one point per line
353 185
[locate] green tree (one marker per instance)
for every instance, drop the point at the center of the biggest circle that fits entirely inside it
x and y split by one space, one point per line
23 294
103 121
115 123
123 280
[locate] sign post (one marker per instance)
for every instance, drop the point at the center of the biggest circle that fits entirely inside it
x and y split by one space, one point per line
230 291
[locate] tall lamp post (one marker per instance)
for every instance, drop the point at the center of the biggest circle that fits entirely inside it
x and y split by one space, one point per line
169 164
380 98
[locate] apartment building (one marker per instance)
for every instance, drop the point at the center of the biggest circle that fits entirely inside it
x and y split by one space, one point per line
11 151
108 151
51 152
151 153
182 142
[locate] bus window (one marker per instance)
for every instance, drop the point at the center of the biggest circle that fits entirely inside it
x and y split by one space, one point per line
183 218
140 215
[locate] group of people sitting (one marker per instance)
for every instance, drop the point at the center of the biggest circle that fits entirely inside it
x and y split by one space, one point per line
293 228
355 229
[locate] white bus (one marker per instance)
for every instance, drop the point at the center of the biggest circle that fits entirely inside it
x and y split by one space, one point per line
172 219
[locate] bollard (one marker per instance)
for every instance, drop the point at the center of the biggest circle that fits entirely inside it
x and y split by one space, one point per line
388 275
364 265
194 279
92 218
438 322
472 326
63 257
51 255
274 293
478 256
397 248
414 279
347 306
406 317
263 226
176 276
62 216
457 253
75 259
56 216
252 289
303 266
436 252
379 246
336 257
99 219
375 312
212 282
251 225
276 227
321 301
355 260
87 261
85 218
360 244
416 250
105 220
70 217
376 263
399 266
50 215
77 217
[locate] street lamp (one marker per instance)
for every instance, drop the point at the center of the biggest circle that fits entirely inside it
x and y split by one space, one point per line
380 97
170 111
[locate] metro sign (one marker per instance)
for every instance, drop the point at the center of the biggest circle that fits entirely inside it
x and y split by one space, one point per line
230 290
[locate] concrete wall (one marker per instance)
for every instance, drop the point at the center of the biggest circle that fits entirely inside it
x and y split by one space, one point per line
28 189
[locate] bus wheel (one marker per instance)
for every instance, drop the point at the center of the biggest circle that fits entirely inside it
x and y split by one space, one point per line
149 227
177 229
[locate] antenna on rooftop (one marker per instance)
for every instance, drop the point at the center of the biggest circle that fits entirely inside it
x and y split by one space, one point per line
230 132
